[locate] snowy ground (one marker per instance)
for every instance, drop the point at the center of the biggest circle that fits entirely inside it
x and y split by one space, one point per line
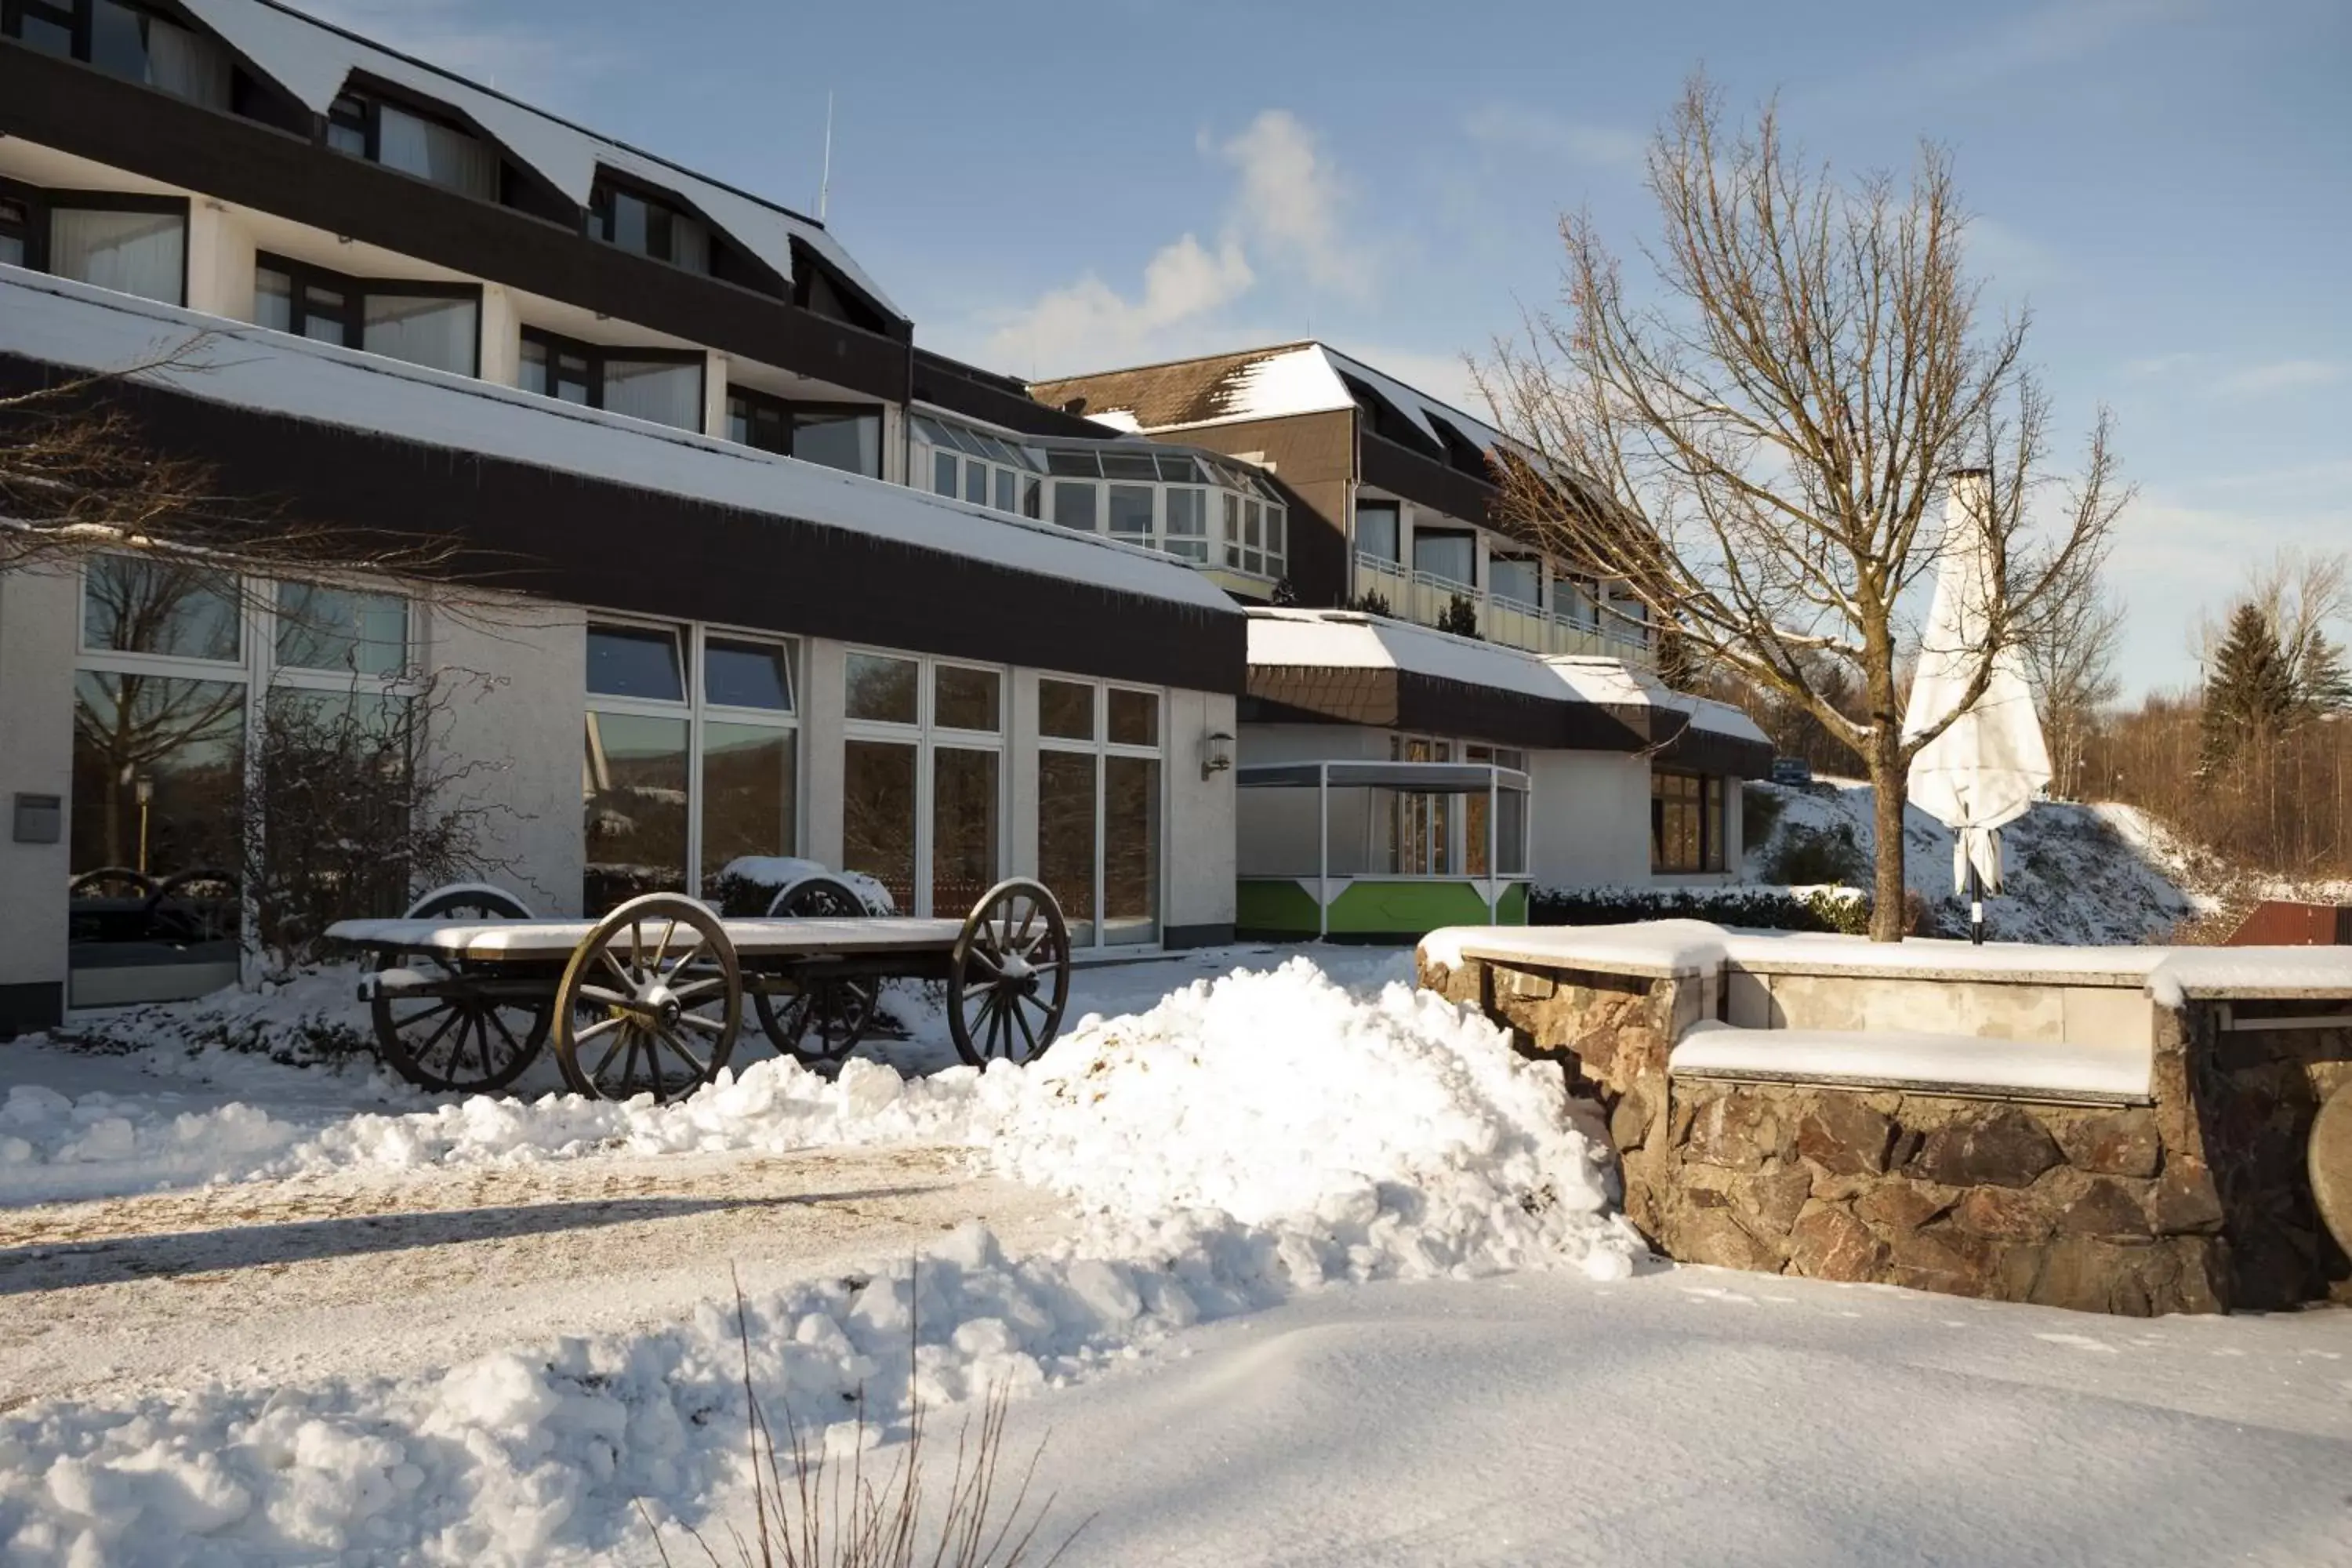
1295 1265
2077 875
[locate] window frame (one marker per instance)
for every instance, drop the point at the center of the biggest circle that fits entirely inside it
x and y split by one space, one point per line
1710 801
693 639
371 97
1101 748
358 290
597 218
599 354
927 735
79 19
42 204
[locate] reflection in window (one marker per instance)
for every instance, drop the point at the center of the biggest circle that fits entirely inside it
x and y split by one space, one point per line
749 772
1065 709
1685 822
436 331
666 391
1450 556
132 605
1065 837
965 698
1134 718
142 253
1074 504
881 689
1130 871
1188 523
963 828
320 628
414 144
1130 511
747 674
636 661
1515 579
650 227
850 440
878 834
633 787
159 774
16 232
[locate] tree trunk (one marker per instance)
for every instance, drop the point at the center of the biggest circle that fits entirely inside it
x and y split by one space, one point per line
1889 917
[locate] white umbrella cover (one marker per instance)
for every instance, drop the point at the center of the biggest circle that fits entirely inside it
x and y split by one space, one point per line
1985 768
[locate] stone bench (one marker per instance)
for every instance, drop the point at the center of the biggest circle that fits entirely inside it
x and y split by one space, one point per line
2116 1130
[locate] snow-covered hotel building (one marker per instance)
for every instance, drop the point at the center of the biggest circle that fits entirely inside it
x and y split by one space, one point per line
733 567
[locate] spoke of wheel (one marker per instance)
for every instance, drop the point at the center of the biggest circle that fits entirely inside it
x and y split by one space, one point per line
629 1066
627 980
1027 1032
620 1040
405 1024
694 988
995 1026
580 1035
436 1039
611 998
637 951
514 1047
700 1069
981 956
653 1057
708 1025
1028 918
661 948
688 956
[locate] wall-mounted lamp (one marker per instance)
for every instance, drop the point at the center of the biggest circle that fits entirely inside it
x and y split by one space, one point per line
1217 752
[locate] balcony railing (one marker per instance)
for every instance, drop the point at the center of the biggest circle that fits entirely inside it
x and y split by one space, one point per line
1423 597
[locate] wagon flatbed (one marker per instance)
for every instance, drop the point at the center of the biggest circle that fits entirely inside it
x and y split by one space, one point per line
467 986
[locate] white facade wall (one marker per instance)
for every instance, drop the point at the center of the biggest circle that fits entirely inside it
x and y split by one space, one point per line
1198 827
220 260
516 674
1590 819
39 610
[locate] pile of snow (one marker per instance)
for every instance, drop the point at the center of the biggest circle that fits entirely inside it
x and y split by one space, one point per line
2075 874
311 1017
1247 1139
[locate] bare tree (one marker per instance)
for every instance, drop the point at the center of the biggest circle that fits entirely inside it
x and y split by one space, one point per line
2070 662
79 476
1758 442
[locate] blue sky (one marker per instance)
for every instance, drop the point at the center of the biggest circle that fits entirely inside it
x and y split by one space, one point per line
1051 187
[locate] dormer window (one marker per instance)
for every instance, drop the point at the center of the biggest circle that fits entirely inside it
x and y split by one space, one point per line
650 226
400 138
126 41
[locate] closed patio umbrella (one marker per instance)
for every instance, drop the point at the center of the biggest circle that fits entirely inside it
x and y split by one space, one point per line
1983 771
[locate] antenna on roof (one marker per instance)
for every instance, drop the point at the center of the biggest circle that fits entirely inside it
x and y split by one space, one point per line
824 180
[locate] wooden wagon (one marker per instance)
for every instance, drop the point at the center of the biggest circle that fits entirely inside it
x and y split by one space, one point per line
467 987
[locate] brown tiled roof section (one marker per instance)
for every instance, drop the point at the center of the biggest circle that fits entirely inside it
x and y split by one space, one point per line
1162 394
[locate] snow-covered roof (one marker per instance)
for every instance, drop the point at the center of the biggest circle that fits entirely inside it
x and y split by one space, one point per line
1258 384
312 60
59 322
1351 639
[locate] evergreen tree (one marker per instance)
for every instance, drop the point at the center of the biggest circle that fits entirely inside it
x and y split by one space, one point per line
2322 683
2252 695
1460 616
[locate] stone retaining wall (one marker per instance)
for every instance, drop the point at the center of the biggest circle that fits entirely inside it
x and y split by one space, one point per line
2114 1210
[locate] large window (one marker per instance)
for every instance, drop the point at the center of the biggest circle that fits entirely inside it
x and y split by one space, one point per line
1098 824
172 737
923 778
135 245
1377 534
1686 821
1516 578
432 324
1139 492
415 143
657 384
1446 554
128 41
691 757
650 225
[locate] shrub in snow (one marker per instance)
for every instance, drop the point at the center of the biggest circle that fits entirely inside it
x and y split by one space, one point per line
311 1017
748 884
1817 908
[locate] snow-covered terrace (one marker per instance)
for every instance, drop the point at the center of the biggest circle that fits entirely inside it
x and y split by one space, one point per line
61 323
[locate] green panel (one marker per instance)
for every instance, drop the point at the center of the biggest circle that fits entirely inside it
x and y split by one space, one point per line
1372 908
1273 907
1511 909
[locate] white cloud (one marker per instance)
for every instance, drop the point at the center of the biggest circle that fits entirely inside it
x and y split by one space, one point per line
1293 201
1087 324
1538 130
1287 217
2281 375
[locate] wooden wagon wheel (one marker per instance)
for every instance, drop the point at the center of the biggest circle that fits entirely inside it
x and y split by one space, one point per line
2331 1164
453 1044
111 882
195 906
1009 976
651 1000
821 1024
